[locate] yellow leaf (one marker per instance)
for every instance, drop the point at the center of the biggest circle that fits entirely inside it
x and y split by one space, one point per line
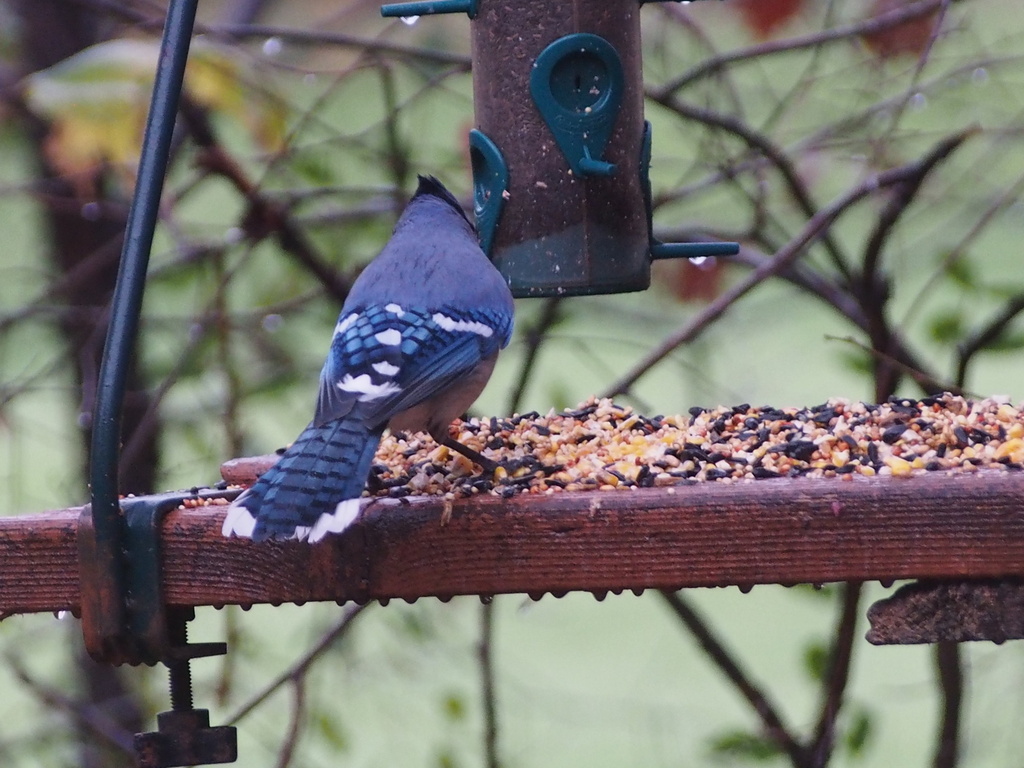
96 101
213 80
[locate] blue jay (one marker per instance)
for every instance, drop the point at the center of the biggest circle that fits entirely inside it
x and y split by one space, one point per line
414 346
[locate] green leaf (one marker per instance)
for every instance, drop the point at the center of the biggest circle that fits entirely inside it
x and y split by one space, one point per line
961 272
312 168
947 327
745 745
816 658
819 591
97 100
114 71
414 623
327 725
859 732
858 362
454 707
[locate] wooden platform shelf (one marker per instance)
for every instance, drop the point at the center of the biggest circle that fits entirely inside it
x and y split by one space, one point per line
785 531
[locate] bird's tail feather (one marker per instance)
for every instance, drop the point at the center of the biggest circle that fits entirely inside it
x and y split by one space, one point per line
313 489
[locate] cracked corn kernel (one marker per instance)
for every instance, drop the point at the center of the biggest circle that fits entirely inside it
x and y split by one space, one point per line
899 467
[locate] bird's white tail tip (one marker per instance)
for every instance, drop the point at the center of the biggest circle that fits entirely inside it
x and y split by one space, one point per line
239 522
335 522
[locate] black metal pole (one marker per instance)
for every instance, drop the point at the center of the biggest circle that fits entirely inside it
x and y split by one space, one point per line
127 302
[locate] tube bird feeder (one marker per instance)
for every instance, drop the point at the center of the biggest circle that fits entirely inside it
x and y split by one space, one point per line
561 151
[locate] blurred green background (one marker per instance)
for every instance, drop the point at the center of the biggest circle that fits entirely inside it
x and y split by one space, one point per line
326 117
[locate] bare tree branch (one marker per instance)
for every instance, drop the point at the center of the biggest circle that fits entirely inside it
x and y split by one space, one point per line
872 289
86 714
928 383
842 300
819 751
951 683
774 154
883 21
535 336
781 260
487 683
264 216
766 710
983 337
296 36
298 711
302 665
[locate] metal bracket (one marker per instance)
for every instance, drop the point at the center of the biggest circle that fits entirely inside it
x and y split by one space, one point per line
138 627
660 250
186 738
429 7
131 626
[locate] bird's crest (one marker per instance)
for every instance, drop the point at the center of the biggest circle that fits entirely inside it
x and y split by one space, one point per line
430 185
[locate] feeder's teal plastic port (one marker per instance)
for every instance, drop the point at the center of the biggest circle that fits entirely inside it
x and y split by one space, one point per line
660 250
577 85
490 186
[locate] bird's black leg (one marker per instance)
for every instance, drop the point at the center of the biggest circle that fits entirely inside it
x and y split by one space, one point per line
482 461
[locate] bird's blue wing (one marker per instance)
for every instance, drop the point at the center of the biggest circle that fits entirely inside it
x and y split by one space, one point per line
432 376
365 354
384 360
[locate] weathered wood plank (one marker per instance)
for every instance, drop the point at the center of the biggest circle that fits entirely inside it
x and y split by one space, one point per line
930 612
714 534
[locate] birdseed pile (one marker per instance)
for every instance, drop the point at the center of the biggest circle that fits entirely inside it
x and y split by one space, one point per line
603 446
